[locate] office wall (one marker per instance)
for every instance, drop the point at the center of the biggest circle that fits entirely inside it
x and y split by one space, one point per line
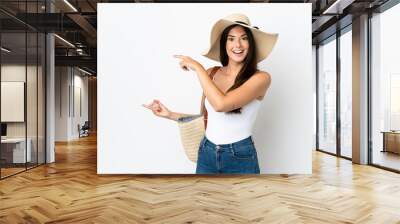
314 84
135 65
80 110
15 72
71 102
62 80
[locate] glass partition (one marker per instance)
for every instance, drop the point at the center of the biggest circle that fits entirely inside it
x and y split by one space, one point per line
346 94
22 77
327 96
385 81
13 109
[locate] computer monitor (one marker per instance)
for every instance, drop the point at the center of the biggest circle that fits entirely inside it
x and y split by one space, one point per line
3 129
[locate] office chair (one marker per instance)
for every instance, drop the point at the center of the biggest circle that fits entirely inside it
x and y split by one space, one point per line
84 130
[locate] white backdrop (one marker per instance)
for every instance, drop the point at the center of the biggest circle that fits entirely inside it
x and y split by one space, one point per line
135 65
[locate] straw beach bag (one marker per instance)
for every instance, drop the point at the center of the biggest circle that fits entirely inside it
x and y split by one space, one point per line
192 129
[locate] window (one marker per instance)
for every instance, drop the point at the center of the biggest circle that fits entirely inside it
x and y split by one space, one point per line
327 97
385 82
346 94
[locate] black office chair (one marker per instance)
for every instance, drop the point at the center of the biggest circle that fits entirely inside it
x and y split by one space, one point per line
84 130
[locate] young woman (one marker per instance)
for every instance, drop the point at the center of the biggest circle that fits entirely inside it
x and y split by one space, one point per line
231 95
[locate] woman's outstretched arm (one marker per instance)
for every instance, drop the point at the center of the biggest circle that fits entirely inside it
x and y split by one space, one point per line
175 115
161 110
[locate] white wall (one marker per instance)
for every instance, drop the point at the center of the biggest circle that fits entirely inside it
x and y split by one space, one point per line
68 81
12 101
135 65
80 84
17 73
314 84
61 103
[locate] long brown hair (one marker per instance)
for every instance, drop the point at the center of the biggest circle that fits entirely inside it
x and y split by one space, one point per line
249 67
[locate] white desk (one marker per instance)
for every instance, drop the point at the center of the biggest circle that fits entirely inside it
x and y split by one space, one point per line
19 149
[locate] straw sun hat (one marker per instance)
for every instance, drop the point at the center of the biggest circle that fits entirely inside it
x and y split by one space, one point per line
265 42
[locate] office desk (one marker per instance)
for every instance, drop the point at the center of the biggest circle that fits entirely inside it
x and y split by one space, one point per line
391 141
15 148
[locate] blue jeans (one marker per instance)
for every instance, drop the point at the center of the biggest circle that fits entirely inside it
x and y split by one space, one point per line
236 158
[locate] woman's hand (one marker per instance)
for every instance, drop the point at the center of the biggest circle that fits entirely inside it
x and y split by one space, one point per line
158 109
187 63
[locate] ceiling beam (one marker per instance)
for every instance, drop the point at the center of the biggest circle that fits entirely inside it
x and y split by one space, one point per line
85 61
84 24
337 6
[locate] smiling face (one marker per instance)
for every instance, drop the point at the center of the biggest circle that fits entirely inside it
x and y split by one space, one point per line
237 44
